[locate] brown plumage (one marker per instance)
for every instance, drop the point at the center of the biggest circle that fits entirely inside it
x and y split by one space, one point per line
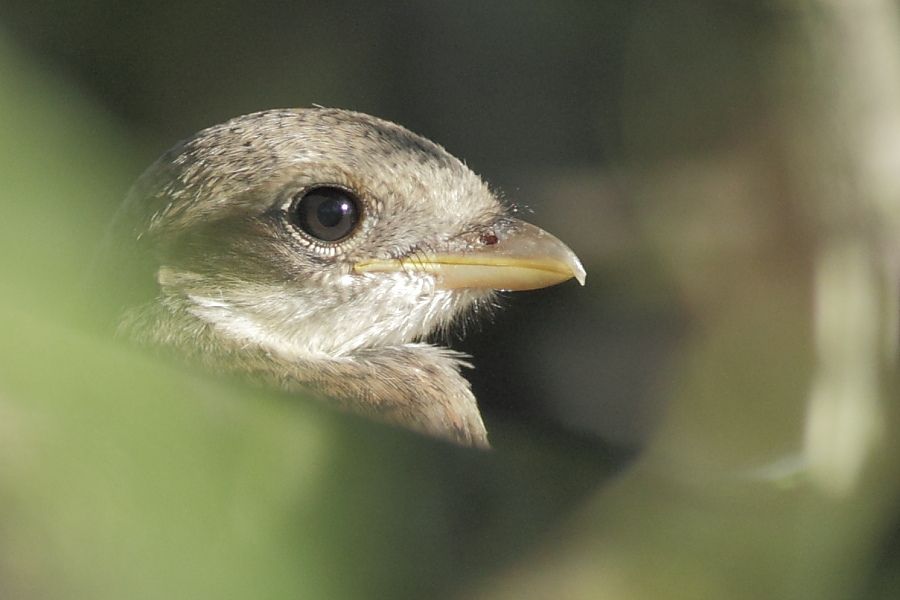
314 250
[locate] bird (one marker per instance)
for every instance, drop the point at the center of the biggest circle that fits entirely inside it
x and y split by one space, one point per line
319 251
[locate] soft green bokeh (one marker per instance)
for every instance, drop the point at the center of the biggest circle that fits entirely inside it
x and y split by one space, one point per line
121 477
709 162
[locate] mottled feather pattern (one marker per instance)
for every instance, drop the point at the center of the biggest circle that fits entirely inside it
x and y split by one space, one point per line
239 291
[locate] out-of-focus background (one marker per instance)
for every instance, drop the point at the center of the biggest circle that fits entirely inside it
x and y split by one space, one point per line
712 416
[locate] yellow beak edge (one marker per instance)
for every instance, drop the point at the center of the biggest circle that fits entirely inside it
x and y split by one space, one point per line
519 257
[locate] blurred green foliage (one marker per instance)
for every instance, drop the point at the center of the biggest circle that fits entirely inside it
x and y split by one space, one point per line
705 159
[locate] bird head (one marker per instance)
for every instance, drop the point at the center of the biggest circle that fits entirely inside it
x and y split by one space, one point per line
320 232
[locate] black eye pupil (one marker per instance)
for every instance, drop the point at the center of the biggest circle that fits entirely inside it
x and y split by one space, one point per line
329 214
332 211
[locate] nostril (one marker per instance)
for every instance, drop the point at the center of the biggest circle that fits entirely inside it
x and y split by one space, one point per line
489 238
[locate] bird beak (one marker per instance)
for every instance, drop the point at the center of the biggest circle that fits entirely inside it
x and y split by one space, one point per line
515 256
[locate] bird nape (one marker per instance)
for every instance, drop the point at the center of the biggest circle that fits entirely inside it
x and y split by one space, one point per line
315 249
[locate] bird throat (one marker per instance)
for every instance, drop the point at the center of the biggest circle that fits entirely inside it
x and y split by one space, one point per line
388 376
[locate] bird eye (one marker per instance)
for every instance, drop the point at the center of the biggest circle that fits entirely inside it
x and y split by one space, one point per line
329 214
